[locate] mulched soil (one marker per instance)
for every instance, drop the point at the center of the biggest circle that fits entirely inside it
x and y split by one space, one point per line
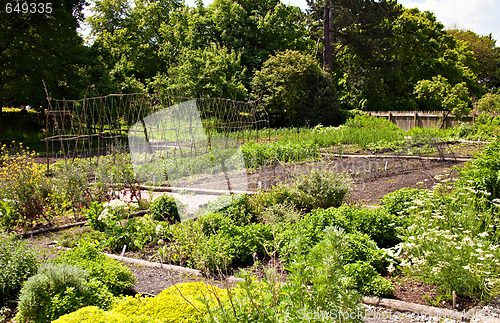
413 291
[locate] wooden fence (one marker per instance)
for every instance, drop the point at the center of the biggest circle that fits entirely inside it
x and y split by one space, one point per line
424 119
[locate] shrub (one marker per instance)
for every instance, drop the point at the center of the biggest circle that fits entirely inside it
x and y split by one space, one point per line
281 213
316 189
58 289
234 246
18 263
439 94
490 102
324 188
240 208
378 224
317 281
300 237
110 272
164 208
184 303
282 193
294 89
213 223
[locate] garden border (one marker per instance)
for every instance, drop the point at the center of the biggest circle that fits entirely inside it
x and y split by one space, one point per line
430 311
178 190
32 233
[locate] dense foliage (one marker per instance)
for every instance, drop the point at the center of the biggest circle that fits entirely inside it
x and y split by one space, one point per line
17 264
295 91
117 278
375 55
57 290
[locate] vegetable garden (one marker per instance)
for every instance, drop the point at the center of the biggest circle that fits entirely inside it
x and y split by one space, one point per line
318 249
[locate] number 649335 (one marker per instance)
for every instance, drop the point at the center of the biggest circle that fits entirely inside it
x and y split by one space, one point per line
27 7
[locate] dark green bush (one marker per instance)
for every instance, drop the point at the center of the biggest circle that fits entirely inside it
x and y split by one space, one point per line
58 289
240 208
354 252
235 246
281 213
300 237
294 89
164 208
110 272
17 264
317 280
213 223
282 193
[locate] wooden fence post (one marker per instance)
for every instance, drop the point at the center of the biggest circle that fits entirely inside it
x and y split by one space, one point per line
415 119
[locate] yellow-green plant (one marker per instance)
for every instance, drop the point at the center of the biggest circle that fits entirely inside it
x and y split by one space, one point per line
183 303
23 184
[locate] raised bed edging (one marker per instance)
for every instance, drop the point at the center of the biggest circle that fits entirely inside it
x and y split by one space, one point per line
29 234
145 263
204 191
428 311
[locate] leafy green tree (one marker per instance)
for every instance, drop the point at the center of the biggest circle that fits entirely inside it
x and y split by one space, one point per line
439 94
210 72
295 91
41 46
129 44
420 49
256 29
486 54
490 102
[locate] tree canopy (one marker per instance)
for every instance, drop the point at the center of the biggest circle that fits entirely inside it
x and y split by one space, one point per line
41 46
377 55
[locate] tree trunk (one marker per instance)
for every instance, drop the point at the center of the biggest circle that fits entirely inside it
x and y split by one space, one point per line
327 39
1 117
